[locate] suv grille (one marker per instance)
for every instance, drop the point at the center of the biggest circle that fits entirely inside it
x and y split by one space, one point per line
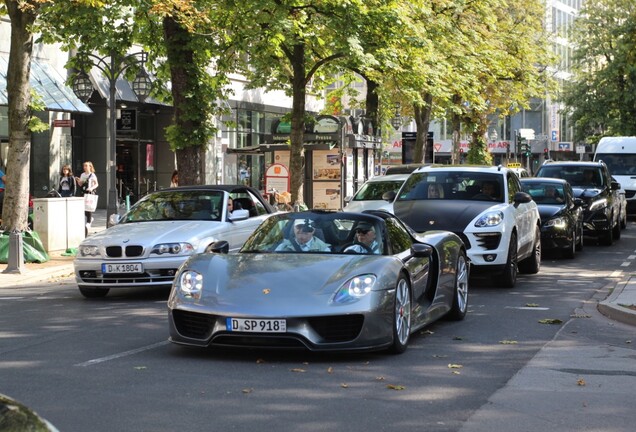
488 241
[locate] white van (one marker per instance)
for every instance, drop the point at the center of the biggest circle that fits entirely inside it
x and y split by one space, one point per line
619 154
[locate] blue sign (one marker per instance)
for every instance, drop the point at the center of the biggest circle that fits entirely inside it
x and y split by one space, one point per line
564 146
555 135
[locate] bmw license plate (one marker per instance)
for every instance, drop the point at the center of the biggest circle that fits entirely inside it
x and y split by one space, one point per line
256 325
123 268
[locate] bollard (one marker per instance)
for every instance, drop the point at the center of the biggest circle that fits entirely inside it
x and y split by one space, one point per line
15 261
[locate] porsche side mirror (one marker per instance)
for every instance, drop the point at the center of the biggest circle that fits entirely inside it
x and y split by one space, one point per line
239 215
421 250
389 196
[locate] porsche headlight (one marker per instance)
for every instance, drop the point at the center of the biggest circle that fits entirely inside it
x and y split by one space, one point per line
355 288
190 284
598 204
490 219
88 251
558 222
172 249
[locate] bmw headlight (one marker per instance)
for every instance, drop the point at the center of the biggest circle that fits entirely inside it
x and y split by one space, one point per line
490 219
190 284
173 249
557 222
88 251
598 204
355 288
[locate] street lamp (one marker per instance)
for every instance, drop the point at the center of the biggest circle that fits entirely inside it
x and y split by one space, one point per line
396 121
113 66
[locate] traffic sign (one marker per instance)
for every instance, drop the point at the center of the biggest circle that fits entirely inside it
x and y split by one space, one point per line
437 147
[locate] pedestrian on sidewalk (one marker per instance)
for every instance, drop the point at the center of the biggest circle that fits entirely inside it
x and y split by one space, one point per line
88 182
66 186
174 181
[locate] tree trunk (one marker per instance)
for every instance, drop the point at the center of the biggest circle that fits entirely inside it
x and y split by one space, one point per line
456 124
372 105
422 122
16 200
297 136
180 56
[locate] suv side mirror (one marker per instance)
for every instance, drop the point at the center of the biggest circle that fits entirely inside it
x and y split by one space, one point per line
521 198
614 185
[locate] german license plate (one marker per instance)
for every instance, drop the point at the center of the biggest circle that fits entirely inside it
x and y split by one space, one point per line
256 325
123 268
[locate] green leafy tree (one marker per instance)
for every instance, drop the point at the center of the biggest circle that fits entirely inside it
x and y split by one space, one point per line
601 96
294 46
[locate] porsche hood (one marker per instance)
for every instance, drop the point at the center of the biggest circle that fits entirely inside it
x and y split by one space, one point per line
425 215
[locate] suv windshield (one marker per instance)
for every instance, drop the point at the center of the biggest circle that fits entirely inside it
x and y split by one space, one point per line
375 190
577 175
453 185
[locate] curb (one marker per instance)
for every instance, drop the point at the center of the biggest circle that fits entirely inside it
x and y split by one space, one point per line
32 277
611 308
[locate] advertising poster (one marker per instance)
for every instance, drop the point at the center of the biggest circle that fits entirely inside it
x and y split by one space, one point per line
282 157
326 165
327 195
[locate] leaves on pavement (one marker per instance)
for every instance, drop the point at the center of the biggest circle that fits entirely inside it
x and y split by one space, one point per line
508 342
395 387
550 321
299 370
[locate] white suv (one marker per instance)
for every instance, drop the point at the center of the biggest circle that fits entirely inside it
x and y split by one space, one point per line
485 206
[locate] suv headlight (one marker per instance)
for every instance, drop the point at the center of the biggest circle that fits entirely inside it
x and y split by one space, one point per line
172 249
88 251
558 222
598 204
355 288
490 219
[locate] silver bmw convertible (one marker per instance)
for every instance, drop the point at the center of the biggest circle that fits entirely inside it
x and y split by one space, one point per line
322 281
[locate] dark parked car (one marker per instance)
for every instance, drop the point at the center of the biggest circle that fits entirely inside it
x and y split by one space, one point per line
592 182
561 214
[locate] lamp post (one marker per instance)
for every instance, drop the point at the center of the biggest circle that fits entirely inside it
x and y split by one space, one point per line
113 66
396 121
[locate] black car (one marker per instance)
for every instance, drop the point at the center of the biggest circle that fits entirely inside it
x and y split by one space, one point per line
561 214
593 184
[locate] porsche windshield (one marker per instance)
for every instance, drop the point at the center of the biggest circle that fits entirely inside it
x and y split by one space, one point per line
177 205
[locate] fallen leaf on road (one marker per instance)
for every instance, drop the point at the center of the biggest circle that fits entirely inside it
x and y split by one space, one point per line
440 355
580 316
456 373
344 385
379 378
329 369
458 338
140 367
580 382
247 390
298 370
550 321
395 387
508 342
427 332
454 366
532 305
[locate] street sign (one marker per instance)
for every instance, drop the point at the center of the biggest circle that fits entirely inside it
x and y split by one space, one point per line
437 147
64 123
555 135
526 133
564 146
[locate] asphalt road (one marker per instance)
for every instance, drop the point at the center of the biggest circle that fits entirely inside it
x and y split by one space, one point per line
105 365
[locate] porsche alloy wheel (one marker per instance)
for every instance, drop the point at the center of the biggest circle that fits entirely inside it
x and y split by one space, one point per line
460 298
401 317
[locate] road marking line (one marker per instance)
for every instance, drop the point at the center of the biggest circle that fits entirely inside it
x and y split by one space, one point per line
122 354
631 257
616 273
527 308
625 264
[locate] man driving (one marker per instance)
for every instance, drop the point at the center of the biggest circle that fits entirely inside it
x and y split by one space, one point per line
365 240
303 239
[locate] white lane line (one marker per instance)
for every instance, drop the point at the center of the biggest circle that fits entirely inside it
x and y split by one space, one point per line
122 354
625 264
527 308
631 257
11 298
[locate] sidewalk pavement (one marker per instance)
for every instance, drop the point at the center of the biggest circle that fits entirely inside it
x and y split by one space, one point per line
58 267
620 305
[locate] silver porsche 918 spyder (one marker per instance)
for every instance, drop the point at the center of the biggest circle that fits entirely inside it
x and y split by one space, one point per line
322 281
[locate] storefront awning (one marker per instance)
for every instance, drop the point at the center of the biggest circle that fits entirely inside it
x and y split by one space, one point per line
124 91
48 84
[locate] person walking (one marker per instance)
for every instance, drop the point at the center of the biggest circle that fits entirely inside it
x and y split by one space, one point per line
66 186
88 182
174 181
